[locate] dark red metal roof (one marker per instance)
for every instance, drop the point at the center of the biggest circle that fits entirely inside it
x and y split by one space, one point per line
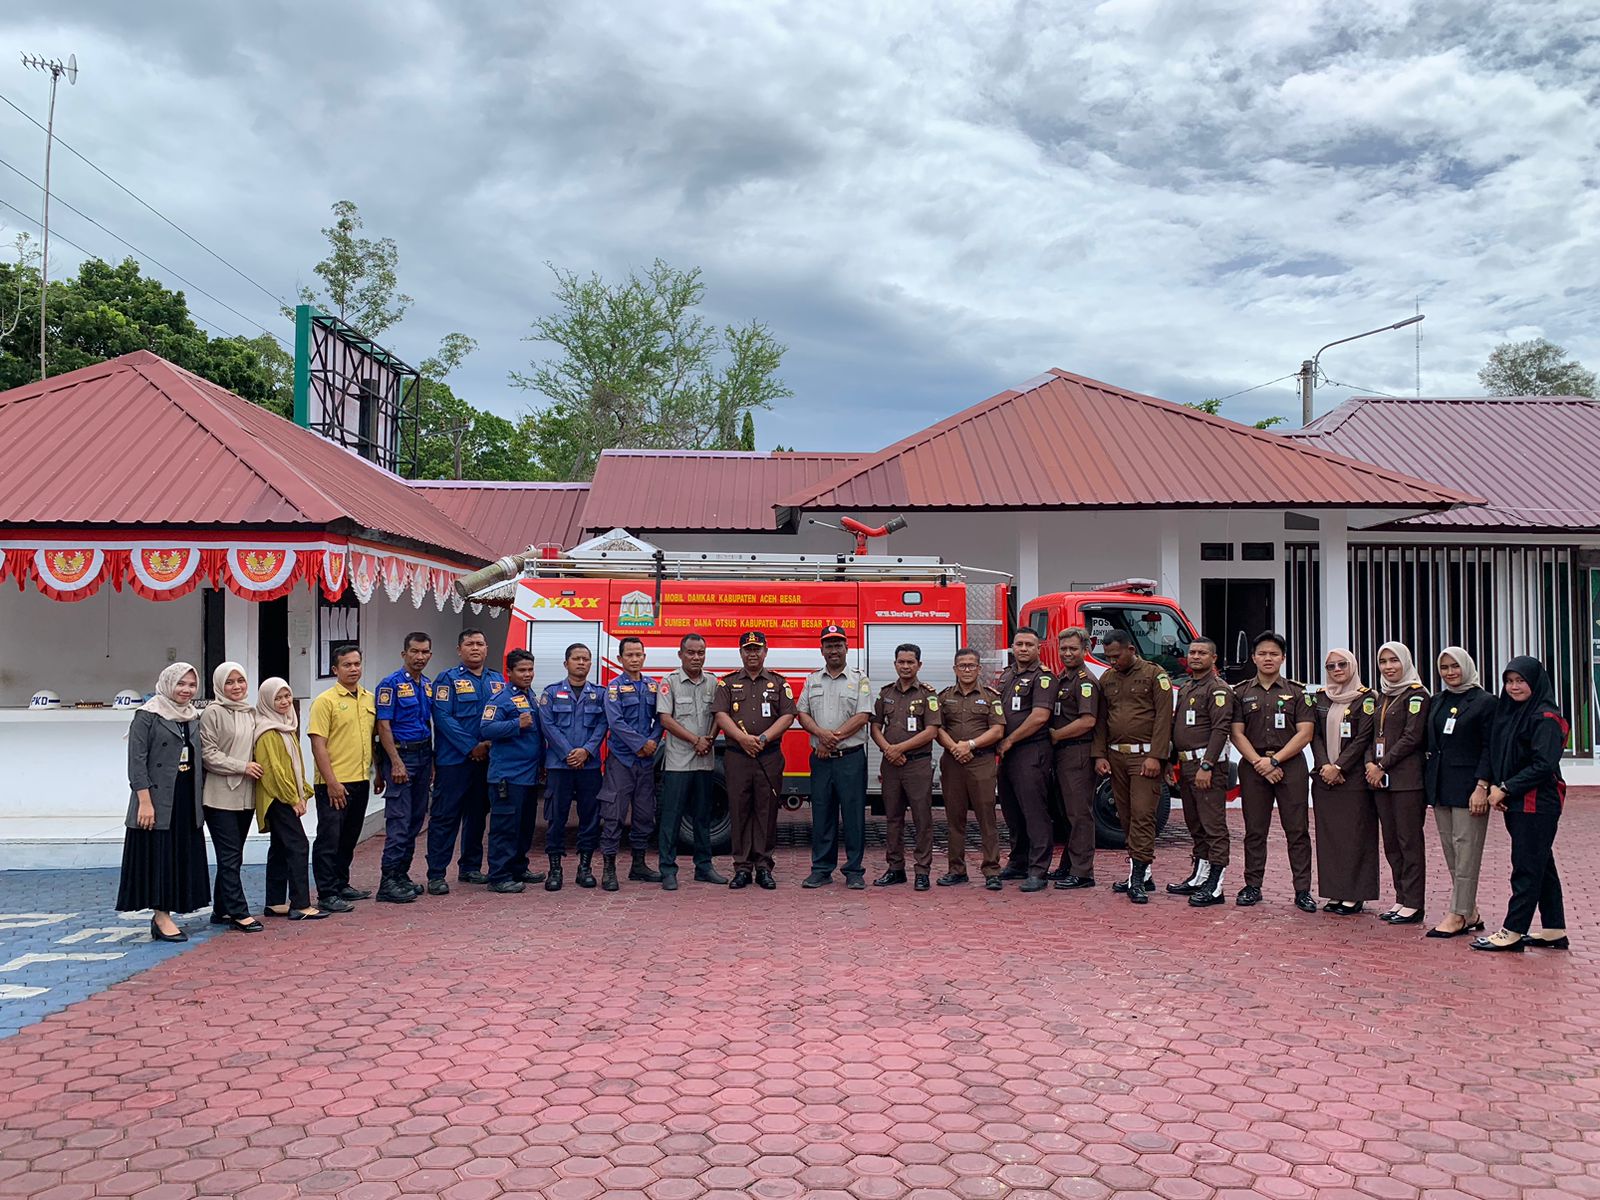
510 517
714 490
1065 441
139 441
1532 458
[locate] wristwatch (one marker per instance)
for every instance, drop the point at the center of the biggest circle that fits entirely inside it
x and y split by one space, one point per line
761 738
1207 765
1275 764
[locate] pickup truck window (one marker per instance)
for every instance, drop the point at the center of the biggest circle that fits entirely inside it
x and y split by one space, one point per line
1158 633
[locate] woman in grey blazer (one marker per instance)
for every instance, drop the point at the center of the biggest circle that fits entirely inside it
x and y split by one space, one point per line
163 850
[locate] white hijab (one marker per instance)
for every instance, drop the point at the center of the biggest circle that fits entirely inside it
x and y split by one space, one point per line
165 702
219 677
270 720
1408 673
1469 669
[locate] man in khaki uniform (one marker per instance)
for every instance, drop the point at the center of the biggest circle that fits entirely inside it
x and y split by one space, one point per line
1201 725
1072 736
1130 745
970 725
835 707
752 707
904 722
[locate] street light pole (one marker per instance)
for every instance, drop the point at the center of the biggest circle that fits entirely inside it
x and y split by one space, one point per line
57 69
1308 367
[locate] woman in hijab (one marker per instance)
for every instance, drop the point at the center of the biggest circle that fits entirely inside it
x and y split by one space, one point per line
1458 760
1394 773
163 850
227 735
1525 745
1347 821
281 792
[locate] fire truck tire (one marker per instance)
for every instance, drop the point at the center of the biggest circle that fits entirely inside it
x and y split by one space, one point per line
1108 831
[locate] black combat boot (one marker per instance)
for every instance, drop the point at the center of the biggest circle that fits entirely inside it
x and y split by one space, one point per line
1197 878
1210 892
552 880
641 872
608 874
585 875
393 891
1138 880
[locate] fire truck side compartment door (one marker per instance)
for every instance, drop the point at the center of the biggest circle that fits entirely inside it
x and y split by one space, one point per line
549 639
939 645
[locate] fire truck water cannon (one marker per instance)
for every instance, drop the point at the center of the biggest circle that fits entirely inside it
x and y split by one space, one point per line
862 530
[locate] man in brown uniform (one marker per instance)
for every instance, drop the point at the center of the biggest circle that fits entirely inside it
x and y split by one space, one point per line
1072 734
904 722
1027 701
971 725
1201 726
752 708
1271 726
1130 745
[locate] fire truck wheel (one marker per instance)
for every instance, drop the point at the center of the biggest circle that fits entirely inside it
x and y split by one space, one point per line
721 827
1108 831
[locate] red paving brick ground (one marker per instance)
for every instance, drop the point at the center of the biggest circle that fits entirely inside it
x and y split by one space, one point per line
829 1044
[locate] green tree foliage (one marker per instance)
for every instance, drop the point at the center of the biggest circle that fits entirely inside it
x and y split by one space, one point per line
1212 406
456 440
637 366
747 432
1534 368
360 276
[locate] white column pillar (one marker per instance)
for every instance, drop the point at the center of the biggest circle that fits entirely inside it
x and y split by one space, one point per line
1333 574
1169 580
1027 557
239 633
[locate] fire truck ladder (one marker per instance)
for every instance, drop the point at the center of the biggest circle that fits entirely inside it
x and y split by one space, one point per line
684 564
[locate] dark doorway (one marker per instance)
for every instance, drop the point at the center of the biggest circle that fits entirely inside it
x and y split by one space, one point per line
272 638
1233 611
213 638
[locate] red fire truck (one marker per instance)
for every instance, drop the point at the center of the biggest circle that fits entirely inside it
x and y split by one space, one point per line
614 587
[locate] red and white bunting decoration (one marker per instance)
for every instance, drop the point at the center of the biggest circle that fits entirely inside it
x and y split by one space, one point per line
66 570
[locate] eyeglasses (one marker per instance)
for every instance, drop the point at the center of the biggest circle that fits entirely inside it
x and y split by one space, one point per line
1337 666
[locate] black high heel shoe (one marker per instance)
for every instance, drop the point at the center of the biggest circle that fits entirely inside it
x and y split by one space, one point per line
1560 943
1484 943
1414 919
1350 908
157 936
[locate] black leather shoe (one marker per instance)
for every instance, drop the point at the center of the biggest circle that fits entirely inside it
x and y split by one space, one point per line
948 880
1207 898
1148 882
552 878
764 879
1538 943
438 887
1062 871
641 871
472 877
1351 908
530 877
993 884
1484 943
889 878
711 875
320 915
351 893
157 936
335 903
1014 873
585 876
1187 886
855 883
1304 902
741 879
608 874
1034 883
1070 882
392 891
817 879
506 886
1248 896
221 919
1136 892
669 881
921 884
1414 919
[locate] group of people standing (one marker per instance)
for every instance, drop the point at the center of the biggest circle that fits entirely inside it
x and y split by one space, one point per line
475 751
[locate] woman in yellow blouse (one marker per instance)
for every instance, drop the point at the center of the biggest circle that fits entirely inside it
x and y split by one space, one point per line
280 795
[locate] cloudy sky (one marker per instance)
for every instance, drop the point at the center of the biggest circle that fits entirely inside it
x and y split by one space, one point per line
926 201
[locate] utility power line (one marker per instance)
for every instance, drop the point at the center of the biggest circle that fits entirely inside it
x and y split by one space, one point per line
1258 386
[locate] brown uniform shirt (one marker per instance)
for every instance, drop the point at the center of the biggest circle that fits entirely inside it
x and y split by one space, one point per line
1355 733
904 713
1259 709
1401 728
1203 719
968 715
754 704
1023 691
1077 696
1135 708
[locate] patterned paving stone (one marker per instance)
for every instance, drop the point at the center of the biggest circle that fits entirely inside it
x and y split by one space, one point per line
861 1046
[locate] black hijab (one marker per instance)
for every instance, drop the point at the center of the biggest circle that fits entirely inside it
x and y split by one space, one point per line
1512 720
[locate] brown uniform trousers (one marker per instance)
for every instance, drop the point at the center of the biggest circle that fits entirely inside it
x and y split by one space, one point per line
1205 812
901 714
754 784
1075 778
971 787
1135 709
1025 769
1201 724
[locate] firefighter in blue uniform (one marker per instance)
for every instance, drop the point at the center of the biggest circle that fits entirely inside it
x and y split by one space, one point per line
572 717
516 757
629 787
404 704
461 763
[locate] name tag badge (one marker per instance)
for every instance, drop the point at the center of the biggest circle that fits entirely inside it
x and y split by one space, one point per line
1278 721
1344 729
1188 717
1377 750
911 725
766 708
1016 704
1449 724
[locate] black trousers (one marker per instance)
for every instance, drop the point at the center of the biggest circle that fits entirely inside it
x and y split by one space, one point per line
288 858
685 792
1534 882
838 798
1025 803
338 831
228 832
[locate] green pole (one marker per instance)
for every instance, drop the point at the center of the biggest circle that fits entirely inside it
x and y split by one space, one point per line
302 365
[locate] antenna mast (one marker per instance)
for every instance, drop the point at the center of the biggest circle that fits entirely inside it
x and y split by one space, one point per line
57 69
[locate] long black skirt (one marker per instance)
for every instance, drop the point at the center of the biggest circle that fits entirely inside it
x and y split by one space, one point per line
165 869
1347 840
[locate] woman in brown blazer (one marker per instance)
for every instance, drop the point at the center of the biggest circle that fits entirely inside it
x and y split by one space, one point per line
1396 765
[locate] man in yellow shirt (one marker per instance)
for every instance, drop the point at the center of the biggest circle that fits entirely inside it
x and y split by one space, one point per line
342 723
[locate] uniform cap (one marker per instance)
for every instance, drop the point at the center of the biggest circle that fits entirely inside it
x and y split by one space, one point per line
834 631
752 637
